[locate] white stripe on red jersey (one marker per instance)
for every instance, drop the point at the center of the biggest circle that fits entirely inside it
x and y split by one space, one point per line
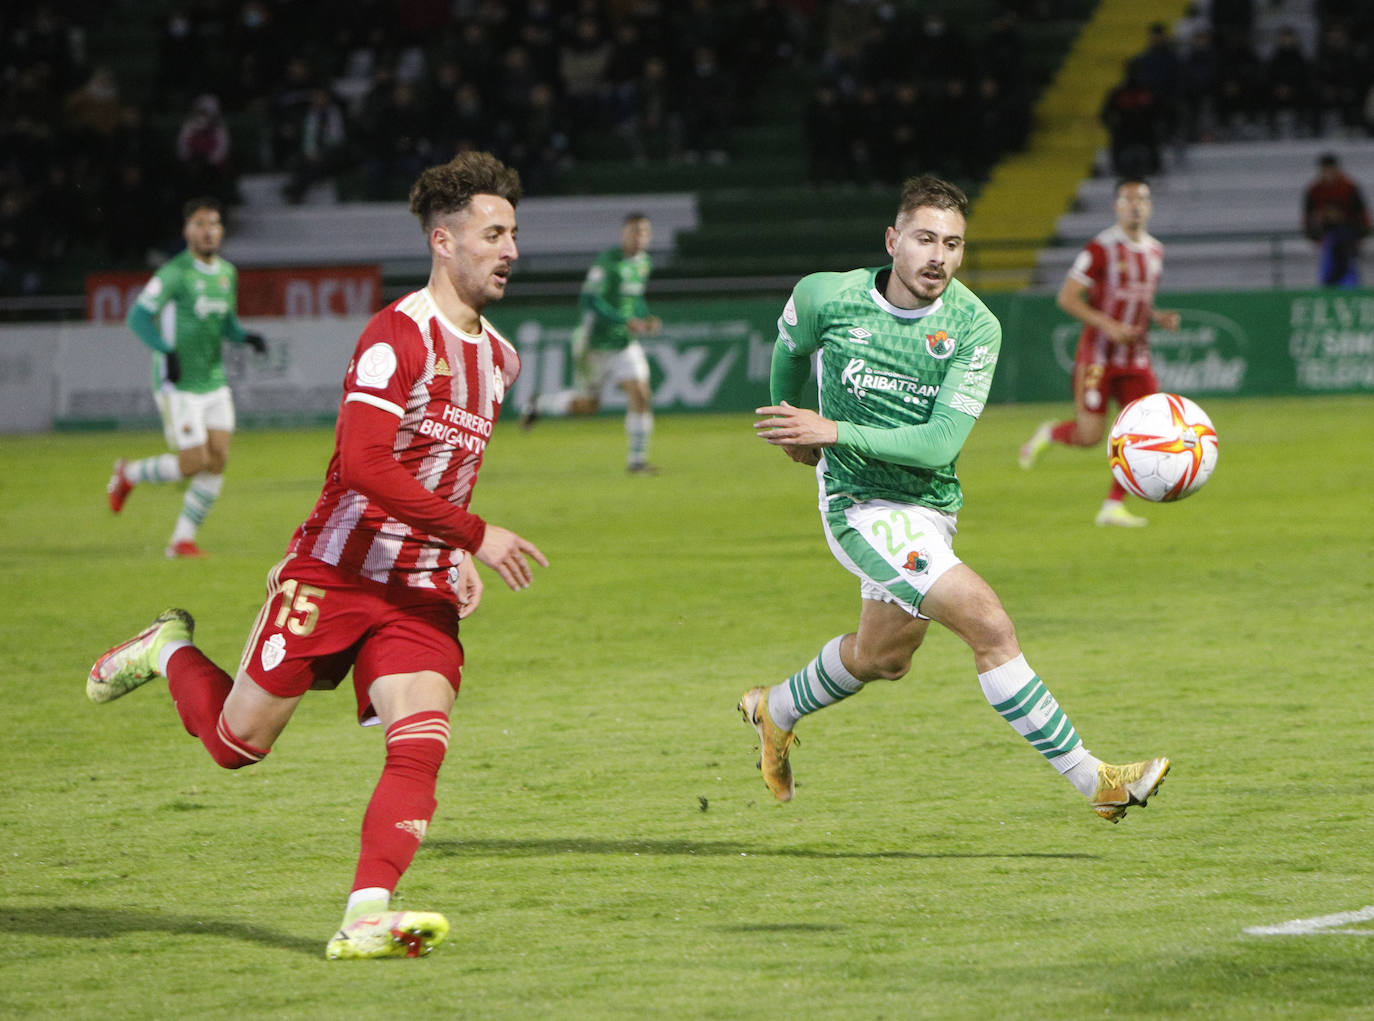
446 387
1122 277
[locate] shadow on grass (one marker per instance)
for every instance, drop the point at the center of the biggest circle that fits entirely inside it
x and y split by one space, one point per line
585 845
84 922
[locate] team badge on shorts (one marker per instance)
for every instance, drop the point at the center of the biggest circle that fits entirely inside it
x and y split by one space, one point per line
273 652
916 562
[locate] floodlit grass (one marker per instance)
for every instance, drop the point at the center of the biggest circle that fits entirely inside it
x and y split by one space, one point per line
605 847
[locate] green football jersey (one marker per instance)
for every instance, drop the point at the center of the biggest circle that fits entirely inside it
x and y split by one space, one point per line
193 307
905 385
612 294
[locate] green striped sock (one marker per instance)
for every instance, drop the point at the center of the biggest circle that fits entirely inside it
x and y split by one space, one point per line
822 682
1022 699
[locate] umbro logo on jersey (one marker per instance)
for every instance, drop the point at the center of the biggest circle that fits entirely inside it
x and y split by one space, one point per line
441 367
859 335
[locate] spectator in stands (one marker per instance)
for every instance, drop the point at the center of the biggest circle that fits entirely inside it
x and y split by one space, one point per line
1336 218
322 151
709 117
1199 77
1288 87
1160 72
1131 115
93 110
202 151
1339 81
658 122
1240 80
582 62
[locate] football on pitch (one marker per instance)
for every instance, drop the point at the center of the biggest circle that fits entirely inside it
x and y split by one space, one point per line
1162 447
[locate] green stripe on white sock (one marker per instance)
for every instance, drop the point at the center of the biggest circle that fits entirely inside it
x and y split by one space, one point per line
1022 699
822 682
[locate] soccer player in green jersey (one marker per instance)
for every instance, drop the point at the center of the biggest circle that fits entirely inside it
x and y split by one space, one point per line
904 356
184 313
606 346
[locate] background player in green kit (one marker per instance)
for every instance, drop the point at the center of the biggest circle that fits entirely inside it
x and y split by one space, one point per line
904 357
606 346
184 314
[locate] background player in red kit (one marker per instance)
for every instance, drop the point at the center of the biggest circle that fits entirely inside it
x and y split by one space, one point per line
380 573
1110 289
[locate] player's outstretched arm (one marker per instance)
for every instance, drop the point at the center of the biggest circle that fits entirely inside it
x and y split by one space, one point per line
509 555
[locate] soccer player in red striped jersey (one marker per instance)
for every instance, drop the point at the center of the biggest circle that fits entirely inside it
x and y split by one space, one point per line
1110 289
379 575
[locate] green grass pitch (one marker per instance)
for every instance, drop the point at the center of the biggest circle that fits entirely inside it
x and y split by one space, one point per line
604 846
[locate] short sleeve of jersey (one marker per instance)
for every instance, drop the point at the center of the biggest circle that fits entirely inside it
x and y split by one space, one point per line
387 361
160 289
1089 264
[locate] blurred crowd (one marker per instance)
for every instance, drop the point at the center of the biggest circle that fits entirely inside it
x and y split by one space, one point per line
904 89
97 148
365 94
1235 69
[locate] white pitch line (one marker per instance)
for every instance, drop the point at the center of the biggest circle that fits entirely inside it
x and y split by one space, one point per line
1321 924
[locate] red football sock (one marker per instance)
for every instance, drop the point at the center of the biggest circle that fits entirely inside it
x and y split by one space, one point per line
1065 432
1117 492
403 802
199 689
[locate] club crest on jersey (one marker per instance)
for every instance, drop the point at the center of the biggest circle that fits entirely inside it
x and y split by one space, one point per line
273 652
940 344
916 562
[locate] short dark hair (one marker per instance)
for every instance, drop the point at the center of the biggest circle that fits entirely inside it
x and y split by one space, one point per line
1126 179
449 187
934 192
635 217
190 207
1328 159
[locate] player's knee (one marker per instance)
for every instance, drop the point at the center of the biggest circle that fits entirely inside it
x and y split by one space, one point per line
232 757
231 751
883 664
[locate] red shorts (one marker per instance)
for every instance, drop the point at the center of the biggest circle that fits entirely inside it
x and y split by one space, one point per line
318 622
1095 384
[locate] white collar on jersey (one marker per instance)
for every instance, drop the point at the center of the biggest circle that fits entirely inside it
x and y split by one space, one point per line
471 338
904 313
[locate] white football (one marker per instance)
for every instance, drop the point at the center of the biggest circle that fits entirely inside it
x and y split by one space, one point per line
1162 447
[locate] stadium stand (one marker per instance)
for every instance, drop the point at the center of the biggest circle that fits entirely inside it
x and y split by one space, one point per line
763 134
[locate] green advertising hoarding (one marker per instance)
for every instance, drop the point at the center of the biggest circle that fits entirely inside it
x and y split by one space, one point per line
714 354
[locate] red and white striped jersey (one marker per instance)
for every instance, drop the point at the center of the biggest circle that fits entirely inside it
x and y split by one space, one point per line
446 388
1122 277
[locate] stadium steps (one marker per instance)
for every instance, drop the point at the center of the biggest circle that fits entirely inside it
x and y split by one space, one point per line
1229 214
1026 192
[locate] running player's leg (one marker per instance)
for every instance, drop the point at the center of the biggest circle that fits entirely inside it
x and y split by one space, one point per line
896 552
965 603
1124 388
1086 427
413 707
583 397
630 371
204 464
158 468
